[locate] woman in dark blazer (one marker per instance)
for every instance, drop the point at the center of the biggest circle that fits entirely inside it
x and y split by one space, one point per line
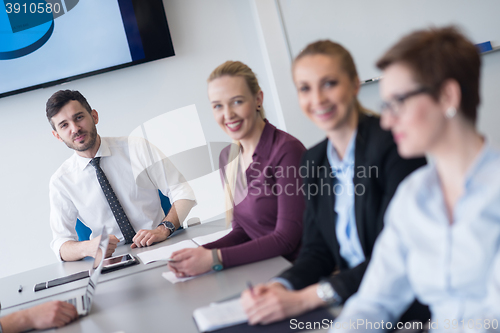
350 180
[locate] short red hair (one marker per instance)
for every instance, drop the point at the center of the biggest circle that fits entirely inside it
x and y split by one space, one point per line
436 55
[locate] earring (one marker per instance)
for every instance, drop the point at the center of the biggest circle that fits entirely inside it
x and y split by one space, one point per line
258 108
451 112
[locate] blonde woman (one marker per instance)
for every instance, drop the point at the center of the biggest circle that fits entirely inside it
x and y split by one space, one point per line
260 179
360 164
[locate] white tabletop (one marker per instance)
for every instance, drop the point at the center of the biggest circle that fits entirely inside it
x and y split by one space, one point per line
138 298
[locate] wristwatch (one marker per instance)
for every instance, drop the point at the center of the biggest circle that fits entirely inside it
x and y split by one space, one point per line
169 225
326 292
217 265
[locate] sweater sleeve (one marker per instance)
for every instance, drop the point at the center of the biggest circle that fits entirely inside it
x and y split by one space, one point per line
235 237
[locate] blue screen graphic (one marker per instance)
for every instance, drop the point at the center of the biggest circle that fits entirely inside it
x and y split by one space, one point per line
48 40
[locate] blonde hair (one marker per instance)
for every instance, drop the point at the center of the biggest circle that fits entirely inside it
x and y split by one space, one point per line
335 50
235 69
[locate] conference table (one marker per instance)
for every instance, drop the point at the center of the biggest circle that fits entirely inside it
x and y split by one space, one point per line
138 298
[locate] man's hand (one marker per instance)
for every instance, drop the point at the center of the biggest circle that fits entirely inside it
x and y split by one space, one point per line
43 316
51 314
113 243
272 302
109 251
149 237
190 262
176 216
74 250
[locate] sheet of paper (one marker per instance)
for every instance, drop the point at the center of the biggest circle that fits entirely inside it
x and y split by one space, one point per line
165 252
170 276
202 240
220 315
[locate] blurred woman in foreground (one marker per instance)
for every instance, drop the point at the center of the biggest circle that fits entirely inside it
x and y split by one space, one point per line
442 230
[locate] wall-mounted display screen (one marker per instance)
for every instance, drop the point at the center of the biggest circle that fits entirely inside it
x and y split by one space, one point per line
47 42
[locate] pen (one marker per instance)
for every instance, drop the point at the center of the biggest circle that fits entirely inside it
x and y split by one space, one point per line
20 289
372 79
250 287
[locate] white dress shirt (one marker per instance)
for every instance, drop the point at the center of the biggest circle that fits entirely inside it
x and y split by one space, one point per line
420 254
136 171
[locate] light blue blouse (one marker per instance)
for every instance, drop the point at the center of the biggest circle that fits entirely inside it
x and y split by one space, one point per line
345 225
343 186
420 254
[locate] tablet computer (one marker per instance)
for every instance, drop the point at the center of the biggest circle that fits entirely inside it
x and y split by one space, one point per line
118 262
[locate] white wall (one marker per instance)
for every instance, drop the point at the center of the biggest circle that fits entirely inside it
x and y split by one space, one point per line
367 28
204 34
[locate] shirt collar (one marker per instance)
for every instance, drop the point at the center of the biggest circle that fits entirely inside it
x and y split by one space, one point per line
101 152
479 161
348 159
265 144
483 157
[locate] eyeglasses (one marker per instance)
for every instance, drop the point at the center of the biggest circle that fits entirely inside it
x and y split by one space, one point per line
394 107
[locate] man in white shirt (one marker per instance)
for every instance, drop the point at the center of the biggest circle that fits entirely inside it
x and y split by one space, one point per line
109 181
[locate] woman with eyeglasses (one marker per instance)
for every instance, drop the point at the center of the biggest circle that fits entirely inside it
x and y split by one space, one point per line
351 177
441 238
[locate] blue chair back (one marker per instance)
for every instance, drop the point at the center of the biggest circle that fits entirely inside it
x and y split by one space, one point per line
84 232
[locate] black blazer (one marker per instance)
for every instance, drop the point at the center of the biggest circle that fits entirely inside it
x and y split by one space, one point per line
375 153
